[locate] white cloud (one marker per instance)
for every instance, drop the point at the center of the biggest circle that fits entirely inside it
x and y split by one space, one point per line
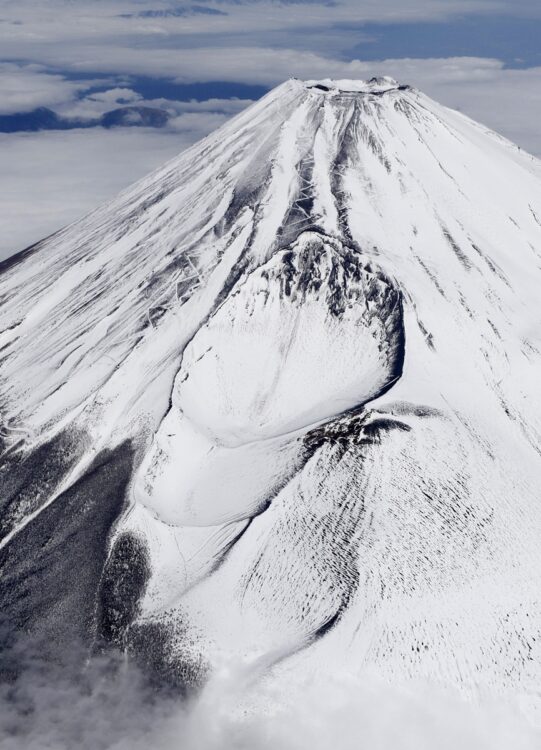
24 87
59 20
49 179
90 36
110 707
116 96
96 104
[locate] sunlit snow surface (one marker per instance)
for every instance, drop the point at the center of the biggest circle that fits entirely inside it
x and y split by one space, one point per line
289 384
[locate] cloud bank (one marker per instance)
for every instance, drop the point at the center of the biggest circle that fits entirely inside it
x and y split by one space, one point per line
50 179
110 706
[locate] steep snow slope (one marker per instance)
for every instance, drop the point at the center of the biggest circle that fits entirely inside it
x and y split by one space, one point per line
288 387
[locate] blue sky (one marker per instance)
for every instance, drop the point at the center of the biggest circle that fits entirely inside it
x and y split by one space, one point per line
201 62
513 40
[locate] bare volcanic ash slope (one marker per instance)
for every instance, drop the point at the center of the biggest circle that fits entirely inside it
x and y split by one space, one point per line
280 399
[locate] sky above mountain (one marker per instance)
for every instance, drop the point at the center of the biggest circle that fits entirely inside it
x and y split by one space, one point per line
94 93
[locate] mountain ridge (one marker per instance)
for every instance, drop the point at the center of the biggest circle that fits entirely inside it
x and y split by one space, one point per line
304 351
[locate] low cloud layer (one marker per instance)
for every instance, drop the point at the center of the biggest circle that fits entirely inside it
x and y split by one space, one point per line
111 707
26 86
49 179
156 37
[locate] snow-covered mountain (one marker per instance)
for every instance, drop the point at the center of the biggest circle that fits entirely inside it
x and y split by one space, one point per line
281 399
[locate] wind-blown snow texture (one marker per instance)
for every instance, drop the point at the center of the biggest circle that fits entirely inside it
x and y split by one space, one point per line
282 398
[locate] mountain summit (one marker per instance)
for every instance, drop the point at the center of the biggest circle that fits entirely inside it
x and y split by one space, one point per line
281 398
